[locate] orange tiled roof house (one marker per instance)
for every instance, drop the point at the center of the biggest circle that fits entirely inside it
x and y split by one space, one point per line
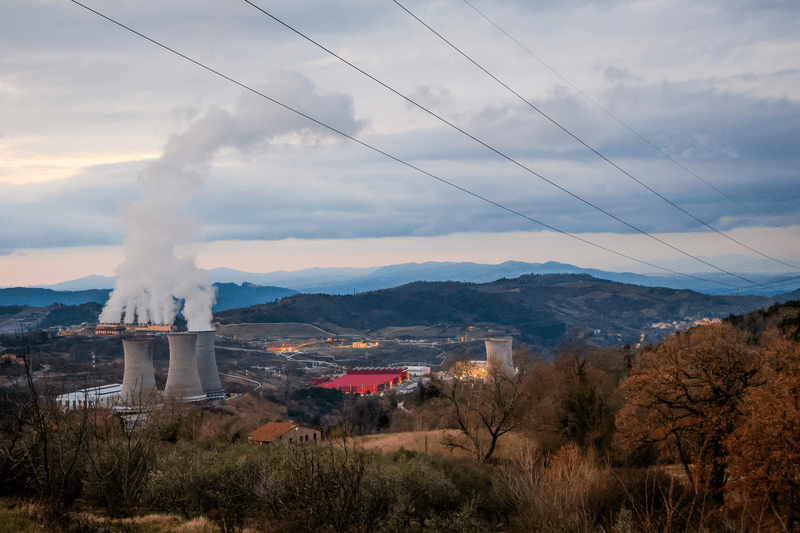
287 432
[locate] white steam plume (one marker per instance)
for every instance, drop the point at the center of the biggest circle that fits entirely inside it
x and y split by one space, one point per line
158 274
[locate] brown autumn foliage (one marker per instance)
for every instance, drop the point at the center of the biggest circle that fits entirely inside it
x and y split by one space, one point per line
764 459
687 394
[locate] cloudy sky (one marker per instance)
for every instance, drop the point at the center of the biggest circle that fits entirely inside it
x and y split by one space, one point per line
96 118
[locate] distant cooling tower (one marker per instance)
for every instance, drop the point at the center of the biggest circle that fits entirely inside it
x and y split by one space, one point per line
498 352
207 364
183 378
138 380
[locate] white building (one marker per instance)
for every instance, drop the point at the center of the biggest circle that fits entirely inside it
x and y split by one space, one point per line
102 396
418 371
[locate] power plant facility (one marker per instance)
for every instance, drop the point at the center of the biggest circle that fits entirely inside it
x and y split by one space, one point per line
207 365
192 374
138 379
183 378
498 353
364 380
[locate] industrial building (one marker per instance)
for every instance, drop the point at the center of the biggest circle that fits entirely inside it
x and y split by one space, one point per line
138 378
183 377
102 396
498 357
365 380
192 374
498 354
207 365
418 371
117 328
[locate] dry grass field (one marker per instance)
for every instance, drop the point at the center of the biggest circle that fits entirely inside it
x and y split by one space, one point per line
509 447
18 517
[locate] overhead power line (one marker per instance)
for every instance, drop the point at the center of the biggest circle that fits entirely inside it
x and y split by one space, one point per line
593 150
407 164
623 124
496 151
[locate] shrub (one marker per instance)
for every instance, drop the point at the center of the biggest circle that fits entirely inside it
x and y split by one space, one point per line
567 493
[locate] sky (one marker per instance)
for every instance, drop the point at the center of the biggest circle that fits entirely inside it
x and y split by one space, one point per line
621 135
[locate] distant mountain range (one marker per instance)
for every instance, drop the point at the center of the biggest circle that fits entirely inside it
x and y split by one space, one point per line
358 280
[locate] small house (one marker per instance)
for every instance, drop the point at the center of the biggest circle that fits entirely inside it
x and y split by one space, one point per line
287 432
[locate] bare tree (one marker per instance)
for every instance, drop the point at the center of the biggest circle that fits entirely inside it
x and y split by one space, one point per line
41 445
121 453
482 406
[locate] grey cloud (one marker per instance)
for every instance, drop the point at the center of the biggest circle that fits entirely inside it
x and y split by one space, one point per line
435 98
80 210
616 75
518 126
684 120
701 123
329 192
326 18
739 6
268 173
387 200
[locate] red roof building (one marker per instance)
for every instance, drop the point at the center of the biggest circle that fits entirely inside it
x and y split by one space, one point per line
285 432
367 380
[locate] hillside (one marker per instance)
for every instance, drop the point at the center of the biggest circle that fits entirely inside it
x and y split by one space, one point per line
784 316
537 309
37 297
233 296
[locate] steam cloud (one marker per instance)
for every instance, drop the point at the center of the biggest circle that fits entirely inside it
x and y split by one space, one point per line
160 272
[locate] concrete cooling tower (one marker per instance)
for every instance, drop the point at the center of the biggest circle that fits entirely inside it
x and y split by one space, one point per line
138 379
498 352
183 378
207 364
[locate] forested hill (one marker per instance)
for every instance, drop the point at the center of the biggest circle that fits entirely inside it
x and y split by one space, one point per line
537 309
37 297
783 317
229 296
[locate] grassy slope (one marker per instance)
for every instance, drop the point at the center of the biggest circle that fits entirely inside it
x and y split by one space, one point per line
508 447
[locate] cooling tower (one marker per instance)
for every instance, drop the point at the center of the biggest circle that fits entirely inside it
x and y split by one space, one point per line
207 364
498 352
138 379
183 379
